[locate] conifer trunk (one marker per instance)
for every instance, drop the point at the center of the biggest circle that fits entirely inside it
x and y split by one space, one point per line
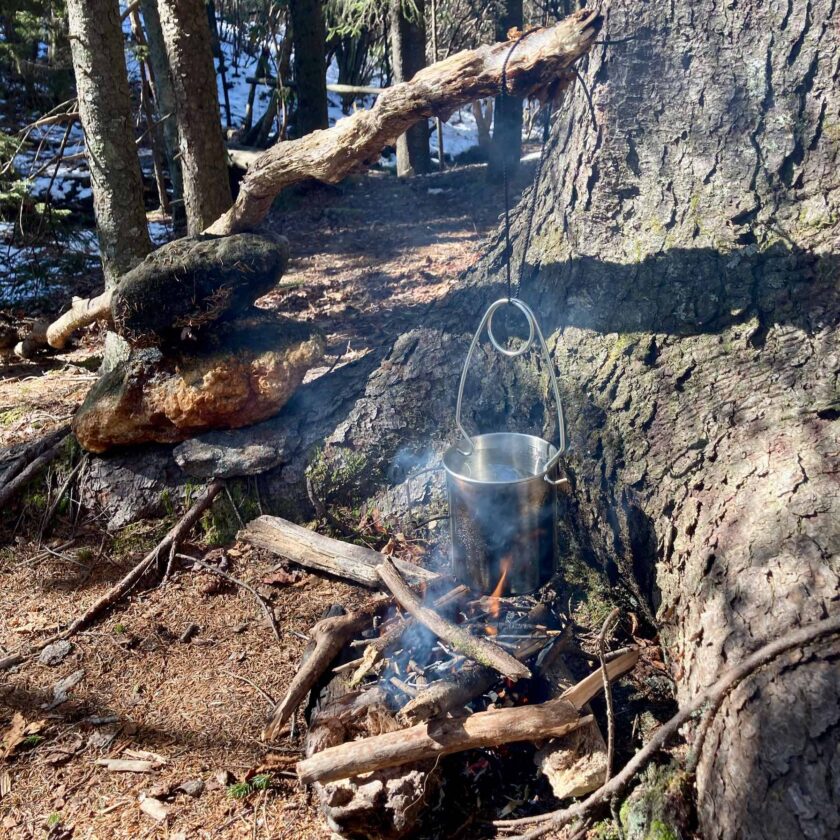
310 64
105 111
203 157
408 55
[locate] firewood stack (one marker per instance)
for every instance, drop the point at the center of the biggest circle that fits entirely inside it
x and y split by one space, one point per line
415 677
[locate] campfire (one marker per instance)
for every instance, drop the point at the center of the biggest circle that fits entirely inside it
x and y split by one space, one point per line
428 671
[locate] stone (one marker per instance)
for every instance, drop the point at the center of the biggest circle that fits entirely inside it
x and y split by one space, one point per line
55 653
228 454
193 787
195 281
239 373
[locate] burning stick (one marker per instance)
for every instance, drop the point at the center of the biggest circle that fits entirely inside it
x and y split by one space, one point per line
469 682
329 637
481 650
451 735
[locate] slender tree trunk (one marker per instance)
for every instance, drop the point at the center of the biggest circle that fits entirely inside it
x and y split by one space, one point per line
153 130
310 65
203 157
408 55
219 55
506 148
165 104
105 112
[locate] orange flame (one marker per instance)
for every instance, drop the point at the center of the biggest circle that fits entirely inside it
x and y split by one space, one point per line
496 594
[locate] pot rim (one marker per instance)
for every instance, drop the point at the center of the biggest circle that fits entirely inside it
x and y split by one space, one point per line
488 438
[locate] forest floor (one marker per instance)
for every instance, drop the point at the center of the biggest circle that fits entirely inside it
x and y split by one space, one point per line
371 244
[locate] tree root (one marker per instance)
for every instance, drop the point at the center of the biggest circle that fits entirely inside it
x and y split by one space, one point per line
714 694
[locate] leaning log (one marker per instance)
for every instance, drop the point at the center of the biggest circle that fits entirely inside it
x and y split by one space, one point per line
328 637
322 554
478 649
538 62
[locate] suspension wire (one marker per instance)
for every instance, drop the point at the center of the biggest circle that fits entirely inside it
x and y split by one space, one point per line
535 188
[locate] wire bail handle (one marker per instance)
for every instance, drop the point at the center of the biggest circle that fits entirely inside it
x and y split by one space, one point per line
533 330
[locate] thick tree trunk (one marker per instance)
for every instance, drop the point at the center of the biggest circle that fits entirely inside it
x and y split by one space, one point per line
203 160
164 102
506 148
105 111
684 266
408 56
310 65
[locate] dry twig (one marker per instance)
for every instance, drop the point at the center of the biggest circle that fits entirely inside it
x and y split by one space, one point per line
269 615
481 650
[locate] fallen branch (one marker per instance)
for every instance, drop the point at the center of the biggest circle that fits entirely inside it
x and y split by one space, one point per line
11 487
439 738
541 62
328 637
125 584
478 649
722 686
451 735
269 615
538 62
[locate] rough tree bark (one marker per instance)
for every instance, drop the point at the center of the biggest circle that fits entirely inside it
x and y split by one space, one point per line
203 159
684 266
506 148
408 56
105 111
310 64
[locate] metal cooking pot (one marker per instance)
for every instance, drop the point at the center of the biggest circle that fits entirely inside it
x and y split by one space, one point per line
503 489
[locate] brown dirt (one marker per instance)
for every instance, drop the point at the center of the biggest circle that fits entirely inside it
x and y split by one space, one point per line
370 244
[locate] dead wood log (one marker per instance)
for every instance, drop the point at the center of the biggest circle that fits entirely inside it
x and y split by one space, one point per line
478 649
323 554
439 738
537 63
444 737
540 62
575 763
8 490
329 635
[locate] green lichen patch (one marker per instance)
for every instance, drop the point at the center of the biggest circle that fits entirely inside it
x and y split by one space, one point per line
660 806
